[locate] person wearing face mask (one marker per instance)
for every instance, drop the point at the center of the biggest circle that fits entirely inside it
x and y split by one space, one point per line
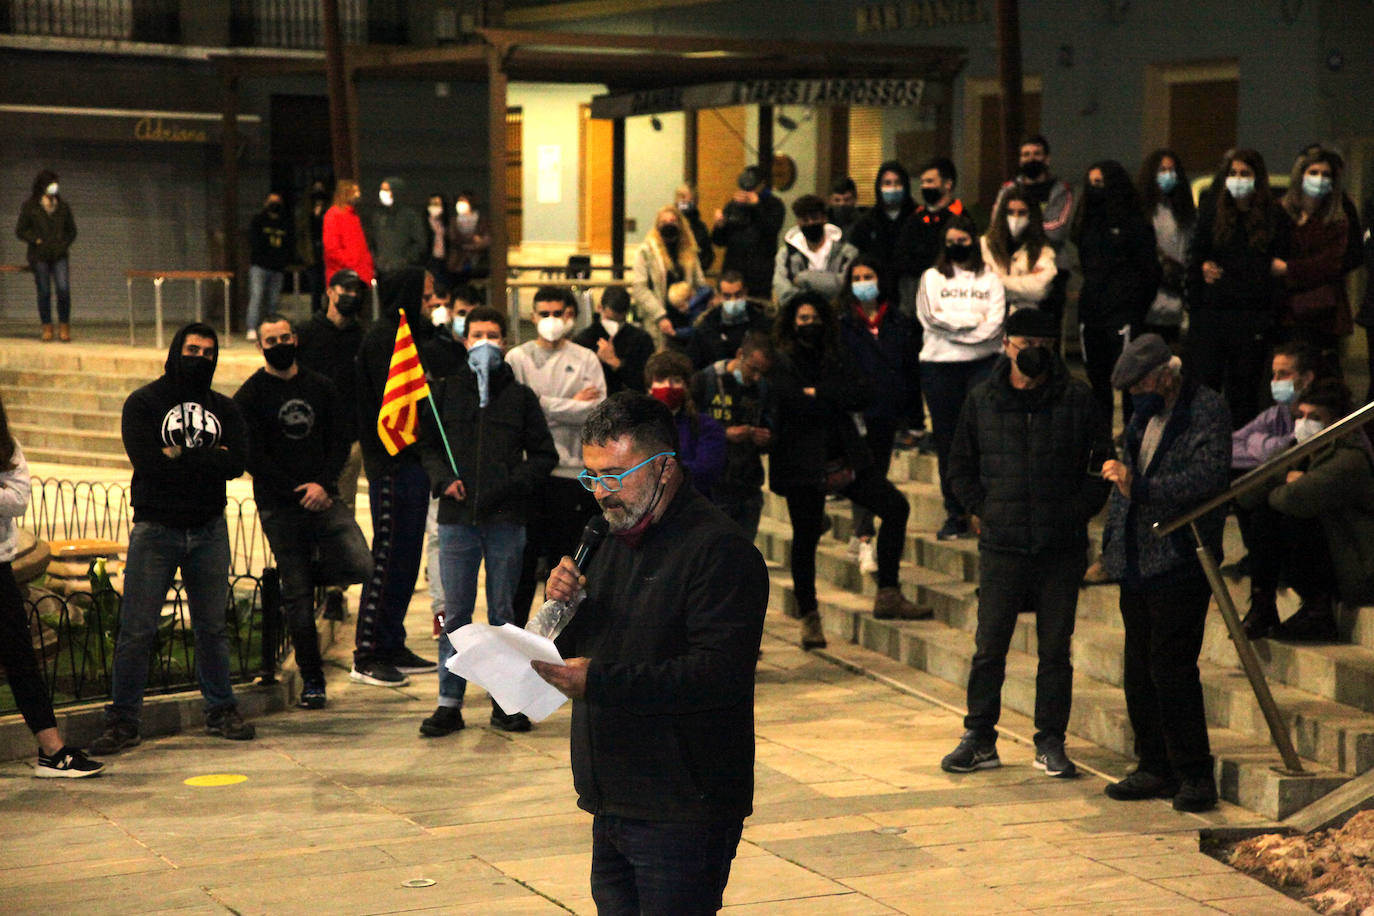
1116 254
1234 283
918 245
1176 454
501 456
844 210
438 222
1016 249
345 245
1055 198
471 240
701 440
962 306
816 449
569 382
747 229
272 240
1021 462
877 231
396 231
185 441
298 440
813 254
1167 201
721 329
1315 307
1321 519
667 256
685 198
886 348
47 227
622 347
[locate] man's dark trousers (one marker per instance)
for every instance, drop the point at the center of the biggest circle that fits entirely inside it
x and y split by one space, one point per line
660 867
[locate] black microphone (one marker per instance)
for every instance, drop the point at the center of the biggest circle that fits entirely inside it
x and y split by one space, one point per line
596 529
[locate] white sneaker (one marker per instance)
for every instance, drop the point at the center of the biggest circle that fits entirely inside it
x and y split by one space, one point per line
853 548
868 557
251 335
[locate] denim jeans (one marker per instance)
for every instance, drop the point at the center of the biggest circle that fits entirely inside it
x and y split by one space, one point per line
313 548
462 548
658 867
46 275
946 385
264 289
438 604
399 501
156 552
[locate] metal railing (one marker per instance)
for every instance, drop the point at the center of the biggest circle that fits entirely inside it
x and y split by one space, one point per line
1249 661
130 20
293 23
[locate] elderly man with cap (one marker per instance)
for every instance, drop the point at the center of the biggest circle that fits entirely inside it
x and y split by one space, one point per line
1023 460
1176 454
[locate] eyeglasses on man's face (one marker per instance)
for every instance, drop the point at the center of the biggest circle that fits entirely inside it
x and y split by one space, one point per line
612 483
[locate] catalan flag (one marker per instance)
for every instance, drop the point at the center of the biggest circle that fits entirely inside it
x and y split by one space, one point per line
405 388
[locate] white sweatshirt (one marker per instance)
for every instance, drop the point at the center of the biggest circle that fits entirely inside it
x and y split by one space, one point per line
556 376
962 315
14 500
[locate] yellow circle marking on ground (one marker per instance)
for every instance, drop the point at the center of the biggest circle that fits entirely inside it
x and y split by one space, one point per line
216 779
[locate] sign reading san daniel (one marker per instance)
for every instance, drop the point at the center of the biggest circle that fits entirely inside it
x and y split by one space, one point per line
876 92
896 15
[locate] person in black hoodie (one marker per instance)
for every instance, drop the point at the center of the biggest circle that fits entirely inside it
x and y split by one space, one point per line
298 441
184 441
748 230
485 468
398 488
817 449
272 236
1116 248
660 669
877 231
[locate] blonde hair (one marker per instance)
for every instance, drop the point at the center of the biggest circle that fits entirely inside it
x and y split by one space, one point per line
687 244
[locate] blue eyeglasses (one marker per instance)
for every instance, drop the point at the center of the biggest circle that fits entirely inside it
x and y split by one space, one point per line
611 483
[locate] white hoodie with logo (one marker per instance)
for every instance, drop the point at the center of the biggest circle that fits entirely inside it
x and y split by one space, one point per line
962 315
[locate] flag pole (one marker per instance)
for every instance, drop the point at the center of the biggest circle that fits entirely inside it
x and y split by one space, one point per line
429 399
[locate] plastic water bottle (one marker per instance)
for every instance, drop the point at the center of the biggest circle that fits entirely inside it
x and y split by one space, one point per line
554 616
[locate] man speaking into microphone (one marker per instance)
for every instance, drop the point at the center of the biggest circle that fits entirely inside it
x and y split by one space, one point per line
660 668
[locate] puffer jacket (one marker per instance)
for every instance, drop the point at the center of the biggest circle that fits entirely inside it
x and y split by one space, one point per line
1023 461
1191 465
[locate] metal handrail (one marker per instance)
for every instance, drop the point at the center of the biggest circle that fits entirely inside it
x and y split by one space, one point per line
1281 462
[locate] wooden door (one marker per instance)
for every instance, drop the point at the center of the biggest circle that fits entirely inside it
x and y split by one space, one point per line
594 144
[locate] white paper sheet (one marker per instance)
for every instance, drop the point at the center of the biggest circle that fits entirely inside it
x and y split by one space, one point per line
498 660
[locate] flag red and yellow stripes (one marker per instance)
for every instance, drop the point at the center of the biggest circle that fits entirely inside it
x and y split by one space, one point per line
405 388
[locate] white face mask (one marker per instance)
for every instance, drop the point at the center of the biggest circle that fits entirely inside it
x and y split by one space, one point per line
435 210
1017 225
51 190
1306 427
611 325
552 328
385 197
462 208
439 316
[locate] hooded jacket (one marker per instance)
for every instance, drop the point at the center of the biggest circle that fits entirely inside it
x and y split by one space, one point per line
503 451
398 234
795 269
49 235
186 491
876 233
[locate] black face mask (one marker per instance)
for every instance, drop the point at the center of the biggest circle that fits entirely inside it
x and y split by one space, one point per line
281 356
348 304
959 252
1033 361
932 195
196 372
671 235
274 209
814 232
1094 196
1034 169
841 216
810 334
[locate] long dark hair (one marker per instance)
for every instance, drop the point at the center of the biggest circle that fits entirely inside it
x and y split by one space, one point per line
873 263
785 331
1179 200
1259 218
964 223
1121 205
7 444
1000 243
445 210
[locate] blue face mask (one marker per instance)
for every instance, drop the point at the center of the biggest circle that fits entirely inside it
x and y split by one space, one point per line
484 357
1166 180
733 311
865 290
1240 187
893 197
1317 186
739 377
460 326
1283 391
1147 404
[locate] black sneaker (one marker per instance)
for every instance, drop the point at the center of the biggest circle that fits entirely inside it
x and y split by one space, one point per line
1140 785
378 674
1315 621
1263 617
333 606
973 753
1196 793
1050 757
407 662
952 529
312 695
67 763
117 736
509 722
227 723
445 721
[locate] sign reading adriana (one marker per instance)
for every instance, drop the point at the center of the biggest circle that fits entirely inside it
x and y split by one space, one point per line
156 130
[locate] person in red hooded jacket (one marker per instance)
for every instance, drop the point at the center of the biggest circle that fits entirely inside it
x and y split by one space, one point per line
345 246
